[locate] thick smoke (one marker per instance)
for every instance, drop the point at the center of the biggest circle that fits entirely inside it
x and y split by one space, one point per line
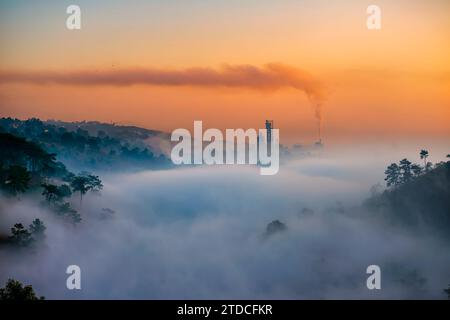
198 233
272 76
269 77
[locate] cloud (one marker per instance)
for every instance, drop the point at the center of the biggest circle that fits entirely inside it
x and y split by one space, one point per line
196 233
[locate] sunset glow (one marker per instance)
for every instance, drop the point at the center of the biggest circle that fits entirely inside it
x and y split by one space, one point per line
394 81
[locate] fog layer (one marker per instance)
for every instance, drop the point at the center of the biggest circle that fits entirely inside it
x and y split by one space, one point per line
199 233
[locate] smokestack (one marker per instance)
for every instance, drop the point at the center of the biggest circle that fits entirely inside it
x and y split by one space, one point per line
319 129
318 114
269 127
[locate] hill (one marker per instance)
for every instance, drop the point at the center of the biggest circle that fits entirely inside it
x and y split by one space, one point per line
93 145
422 201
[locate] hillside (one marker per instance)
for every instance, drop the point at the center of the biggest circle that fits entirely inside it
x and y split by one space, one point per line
422 201
131 134
93 145
25 165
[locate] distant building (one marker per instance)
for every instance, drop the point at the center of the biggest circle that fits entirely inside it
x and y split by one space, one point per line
269 127
318 144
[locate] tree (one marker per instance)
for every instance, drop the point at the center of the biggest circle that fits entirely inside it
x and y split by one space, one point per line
54 193
17 179
424 155
80 184
274 227
392 175
447 291
14 290
55 196
66 210
20 236
64 191
37 229
405 170
20 152
416 169
84 183
50 192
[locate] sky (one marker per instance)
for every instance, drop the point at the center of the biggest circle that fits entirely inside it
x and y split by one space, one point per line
374 85
162 65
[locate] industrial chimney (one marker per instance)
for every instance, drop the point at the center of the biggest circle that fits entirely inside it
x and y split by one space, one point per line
269 127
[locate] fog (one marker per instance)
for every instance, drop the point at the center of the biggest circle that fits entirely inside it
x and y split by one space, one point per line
198 233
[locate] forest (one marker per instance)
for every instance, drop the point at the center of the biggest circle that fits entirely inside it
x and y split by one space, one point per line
91 145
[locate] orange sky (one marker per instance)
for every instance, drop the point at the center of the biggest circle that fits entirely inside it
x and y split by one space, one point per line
388 84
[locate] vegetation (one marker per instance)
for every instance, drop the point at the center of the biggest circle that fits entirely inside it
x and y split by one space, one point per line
37 229
447 291
84 183
416 195
274 227
18 151
424 155
405 171
22 237
56 200
65 210
26 167
29 165
89 145
54 193
14 290
16 179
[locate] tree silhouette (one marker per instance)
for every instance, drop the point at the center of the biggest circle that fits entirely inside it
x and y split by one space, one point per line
14 290
64 191
72 140
392 175
405 170
54 193
65 209
274 227
85 183
424 155
37 229
17 179
19 151
416 169
20 236
50 192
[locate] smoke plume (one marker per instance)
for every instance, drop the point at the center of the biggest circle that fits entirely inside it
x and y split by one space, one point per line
270 77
